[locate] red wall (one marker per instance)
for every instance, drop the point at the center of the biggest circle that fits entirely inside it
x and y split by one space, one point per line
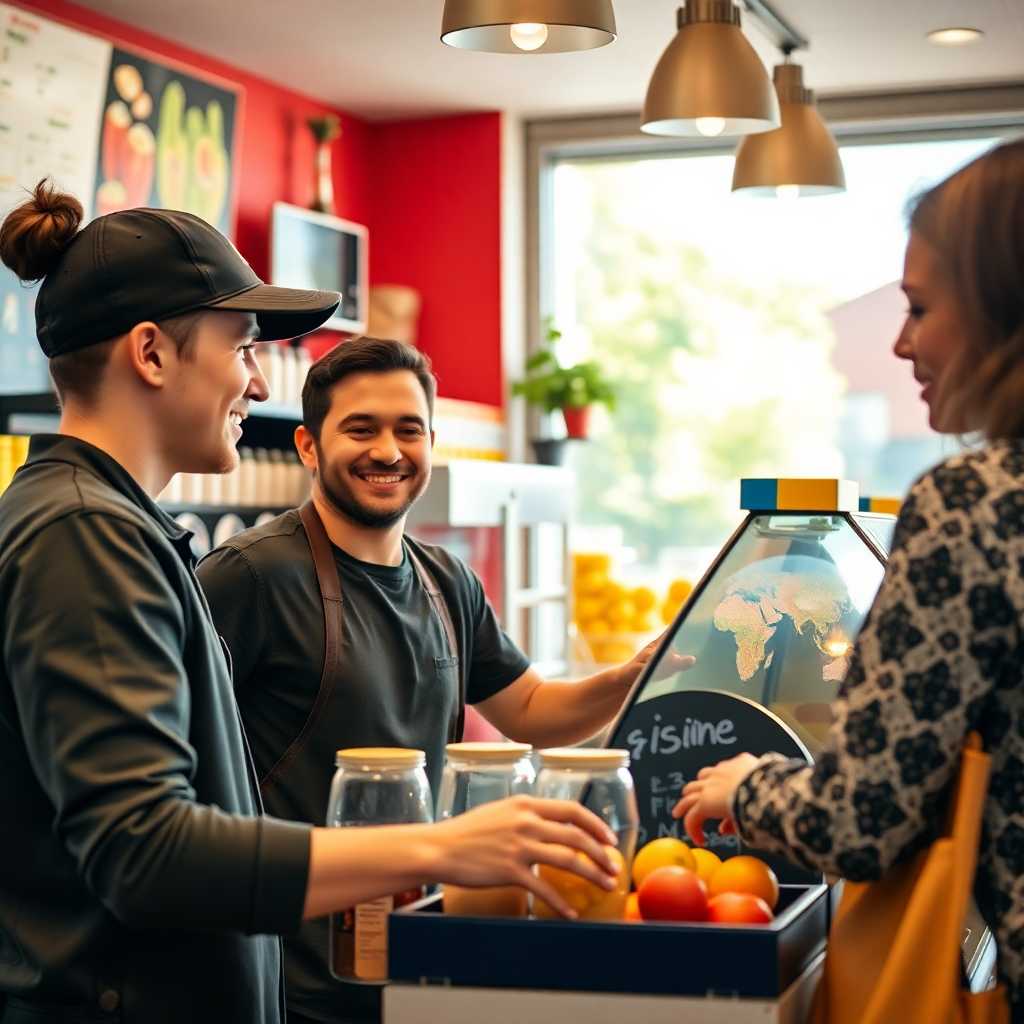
435 224
429 191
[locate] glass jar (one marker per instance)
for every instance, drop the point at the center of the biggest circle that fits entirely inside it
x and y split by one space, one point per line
600 780
476 774
373 786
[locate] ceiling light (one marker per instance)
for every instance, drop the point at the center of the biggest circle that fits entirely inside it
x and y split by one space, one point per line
527 26
798 159
954 36
709 76
529 36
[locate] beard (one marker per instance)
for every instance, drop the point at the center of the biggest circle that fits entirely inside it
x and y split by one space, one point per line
339 495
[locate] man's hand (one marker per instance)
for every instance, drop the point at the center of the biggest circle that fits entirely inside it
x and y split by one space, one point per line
499 843
670 664
710 795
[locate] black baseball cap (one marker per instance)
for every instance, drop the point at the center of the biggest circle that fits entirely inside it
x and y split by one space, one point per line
143 264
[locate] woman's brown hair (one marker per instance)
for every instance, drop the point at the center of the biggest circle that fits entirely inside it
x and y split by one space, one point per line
974 221
33 237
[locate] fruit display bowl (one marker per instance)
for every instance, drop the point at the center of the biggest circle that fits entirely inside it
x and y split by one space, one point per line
428 946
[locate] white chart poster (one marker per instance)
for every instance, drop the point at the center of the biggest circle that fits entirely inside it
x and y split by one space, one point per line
53 82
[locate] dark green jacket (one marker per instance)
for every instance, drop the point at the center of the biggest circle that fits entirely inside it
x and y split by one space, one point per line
137 876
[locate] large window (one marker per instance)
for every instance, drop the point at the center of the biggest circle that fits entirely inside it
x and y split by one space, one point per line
747 337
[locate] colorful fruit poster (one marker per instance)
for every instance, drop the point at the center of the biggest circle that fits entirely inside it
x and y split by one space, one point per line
166 140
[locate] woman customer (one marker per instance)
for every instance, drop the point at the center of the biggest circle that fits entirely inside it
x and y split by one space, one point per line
941 652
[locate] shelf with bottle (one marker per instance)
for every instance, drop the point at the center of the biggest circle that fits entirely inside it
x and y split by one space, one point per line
285 367
263 478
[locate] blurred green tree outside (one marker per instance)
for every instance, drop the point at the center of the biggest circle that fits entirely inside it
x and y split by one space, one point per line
717 377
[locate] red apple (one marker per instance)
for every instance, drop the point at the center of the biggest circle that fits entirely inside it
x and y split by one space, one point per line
673 894
738 908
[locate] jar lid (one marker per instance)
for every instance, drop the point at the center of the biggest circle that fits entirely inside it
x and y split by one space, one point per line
380 758
584 757
488 753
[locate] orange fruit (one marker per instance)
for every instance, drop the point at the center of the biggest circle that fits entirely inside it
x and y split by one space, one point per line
590 901
707 863
667 852
632 911
746 874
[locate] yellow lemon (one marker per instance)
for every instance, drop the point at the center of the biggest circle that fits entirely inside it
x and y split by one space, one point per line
707 862
591 584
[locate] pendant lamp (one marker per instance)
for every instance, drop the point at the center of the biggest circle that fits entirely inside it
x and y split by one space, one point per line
709 81
798 159
527 26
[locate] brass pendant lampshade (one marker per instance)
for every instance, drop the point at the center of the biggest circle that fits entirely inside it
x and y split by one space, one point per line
798 159
527 26
709 81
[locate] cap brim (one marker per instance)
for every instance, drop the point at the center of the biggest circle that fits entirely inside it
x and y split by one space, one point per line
283 312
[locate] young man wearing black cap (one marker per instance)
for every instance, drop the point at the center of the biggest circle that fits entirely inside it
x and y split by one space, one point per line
138 880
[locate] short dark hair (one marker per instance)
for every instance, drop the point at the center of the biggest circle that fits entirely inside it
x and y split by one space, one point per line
361 355
78 374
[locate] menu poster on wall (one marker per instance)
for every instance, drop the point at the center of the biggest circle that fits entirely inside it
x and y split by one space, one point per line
52 82
166 140
115 128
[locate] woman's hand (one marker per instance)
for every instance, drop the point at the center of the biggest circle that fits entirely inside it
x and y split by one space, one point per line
499 843
710 795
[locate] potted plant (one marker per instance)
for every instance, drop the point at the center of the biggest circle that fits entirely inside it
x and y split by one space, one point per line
571 389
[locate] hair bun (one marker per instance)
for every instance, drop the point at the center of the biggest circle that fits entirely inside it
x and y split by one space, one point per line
34 236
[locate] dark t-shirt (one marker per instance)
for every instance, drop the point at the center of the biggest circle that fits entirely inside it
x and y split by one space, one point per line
399 685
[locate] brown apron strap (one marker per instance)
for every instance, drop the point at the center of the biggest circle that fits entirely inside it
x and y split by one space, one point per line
441 609
330 594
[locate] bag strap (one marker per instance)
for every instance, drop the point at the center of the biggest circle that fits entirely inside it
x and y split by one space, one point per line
330 594
440 607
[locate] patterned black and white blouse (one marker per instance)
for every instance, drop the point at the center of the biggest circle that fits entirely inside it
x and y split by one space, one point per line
940 653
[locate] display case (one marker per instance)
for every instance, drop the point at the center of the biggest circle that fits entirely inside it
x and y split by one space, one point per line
774 618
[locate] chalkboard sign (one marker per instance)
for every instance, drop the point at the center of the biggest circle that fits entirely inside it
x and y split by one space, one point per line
671 737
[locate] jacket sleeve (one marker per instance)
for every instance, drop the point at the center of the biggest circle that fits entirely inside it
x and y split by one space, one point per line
921 676
93 635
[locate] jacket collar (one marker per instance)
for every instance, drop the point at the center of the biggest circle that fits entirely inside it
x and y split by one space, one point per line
79 453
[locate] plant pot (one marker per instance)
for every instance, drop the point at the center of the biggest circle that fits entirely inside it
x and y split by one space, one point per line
577 419
549 451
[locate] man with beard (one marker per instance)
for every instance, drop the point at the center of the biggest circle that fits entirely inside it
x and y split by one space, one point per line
345 632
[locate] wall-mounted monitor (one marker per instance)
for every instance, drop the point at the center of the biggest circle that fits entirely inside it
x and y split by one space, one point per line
317 250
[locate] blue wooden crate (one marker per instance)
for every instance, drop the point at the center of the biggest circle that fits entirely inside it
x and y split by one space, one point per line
756 961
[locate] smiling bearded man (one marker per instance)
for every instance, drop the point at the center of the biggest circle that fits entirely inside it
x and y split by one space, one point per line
347 633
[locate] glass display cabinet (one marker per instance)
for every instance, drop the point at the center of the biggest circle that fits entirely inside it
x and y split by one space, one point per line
775 615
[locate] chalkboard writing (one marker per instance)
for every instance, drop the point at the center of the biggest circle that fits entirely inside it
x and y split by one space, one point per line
671 737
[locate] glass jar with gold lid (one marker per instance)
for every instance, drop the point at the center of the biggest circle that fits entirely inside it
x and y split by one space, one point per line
600 780
373 786
477 774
